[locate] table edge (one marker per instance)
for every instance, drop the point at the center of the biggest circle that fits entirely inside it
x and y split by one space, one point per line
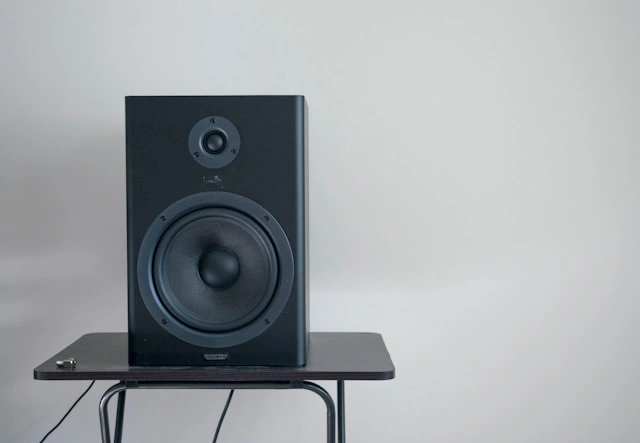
70 374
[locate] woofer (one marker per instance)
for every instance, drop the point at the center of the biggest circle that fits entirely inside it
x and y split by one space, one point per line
188 296
225 247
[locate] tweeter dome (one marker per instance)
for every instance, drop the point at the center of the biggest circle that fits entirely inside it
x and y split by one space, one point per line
217 230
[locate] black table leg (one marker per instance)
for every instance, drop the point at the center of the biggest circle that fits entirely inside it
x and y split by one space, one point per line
103 410
121 387
117 437
331 409
341 421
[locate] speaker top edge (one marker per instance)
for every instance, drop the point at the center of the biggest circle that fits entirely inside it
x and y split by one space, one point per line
127 97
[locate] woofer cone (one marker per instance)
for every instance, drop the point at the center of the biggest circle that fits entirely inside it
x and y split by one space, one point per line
215 269
157 300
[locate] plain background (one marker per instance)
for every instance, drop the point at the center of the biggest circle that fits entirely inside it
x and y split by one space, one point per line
474 197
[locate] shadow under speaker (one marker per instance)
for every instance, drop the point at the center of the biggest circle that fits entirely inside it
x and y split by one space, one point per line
217 230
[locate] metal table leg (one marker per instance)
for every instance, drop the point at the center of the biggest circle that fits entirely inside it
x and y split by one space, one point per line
120 389
103 410
117 437
341 420
331 409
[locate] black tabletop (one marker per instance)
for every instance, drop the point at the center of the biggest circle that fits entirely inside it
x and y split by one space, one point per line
331 356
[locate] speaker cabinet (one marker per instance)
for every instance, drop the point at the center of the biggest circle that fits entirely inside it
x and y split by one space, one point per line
217 230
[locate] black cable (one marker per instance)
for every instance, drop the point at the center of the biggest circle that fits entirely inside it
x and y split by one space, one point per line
68 412
224 412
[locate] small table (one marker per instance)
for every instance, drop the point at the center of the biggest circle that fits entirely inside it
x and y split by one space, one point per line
336 356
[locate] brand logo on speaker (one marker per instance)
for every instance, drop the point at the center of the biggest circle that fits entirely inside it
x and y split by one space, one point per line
215 357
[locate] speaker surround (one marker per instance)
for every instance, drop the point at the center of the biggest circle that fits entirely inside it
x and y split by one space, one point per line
217 271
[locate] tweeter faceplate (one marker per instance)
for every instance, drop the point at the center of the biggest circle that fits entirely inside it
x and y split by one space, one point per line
227 148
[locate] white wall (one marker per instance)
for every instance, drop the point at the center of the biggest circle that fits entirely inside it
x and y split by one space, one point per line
474 197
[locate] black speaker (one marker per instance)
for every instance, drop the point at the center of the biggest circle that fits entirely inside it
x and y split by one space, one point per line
217 230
